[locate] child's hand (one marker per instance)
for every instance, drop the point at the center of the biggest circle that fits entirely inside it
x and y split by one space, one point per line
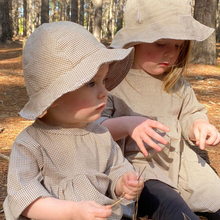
204 133
130 184
141 130
90 210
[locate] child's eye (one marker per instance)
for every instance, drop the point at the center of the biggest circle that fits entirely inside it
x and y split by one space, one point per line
160 44
104 81
91 84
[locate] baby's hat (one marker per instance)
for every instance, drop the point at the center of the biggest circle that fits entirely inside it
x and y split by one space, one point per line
61 57
147 21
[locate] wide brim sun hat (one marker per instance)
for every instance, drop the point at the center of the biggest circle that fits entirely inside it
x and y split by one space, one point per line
61 57
147 21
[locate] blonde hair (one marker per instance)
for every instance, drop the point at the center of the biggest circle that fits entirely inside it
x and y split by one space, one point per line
173 79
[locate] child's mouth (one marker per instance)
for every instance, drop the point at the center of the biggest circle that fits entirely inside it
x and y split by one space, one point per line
101 107
164 64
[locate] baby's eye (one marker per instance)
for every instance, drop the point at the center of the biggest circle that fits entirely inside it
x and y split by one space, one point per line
160 44
91 84
104 81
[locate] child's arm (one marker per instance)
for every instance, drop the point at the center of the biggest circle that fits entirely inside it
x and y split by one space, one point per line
51 208
139 128
130 184
203 133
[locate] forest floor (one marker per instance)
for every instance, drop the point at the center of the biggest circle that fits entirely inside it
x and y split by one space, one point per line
205 80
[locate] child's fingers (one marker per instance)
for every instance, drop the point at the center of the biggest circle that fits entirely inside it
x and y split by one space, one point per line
213 139
140 144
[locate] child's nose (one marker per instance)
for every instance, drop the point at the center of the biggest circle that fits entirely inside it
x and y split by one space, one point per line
170 51
103 92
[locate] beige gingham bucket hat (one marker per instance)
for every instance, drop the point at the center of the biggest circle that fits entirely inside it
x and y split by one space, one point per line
61 57
147 21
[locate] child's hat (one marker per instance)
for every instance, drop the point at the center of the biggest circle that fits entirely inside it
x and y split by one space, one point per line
61 57
147 21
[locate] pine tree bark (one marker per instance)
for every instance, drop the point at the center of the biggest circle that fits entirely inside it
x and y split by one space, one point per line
120 14
44 11
98 18
5 20
81 13
74 10
205 52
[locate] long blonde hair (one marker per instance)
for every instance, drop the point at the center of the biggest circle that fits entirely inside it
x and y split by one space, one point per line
174 77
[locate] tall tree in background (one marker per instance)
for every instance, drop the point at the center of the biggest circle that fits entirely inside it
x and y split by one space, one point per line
74 10
25 18
81 13
205 52
120 14
5 20
44 11
98 18
218 24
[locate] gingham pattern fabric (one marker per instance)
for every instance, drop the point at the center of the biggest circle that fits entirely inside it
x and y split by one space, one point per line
177 164
147 21
61 57
69 164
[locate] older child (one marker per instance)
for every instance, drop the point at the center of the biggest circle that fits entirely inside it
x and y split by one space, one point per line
64 166
177 181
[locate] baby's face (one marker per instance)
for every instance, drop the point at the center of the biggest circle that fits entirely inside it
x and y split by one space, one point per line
156 58
77 108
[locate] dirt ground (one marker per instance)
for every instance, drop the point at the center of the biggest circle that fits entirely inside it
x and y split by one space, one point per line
204 79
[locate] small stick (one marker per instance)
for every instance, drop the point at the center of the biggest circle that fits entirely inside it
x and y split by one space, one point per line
118 199
123 194
4 156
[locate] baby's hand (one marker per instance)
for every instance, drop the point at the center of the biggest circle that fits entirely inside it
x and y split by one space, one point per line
204 133
130 184
90 210
142 130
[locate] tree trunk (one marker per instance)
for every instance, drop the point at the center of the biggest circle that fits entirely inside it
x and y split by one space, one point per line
15 23
37 7
120 14
74 10
81 13
98 18
5 20
44 11
109 23
30 26
91 18
25 18
205 52
218 25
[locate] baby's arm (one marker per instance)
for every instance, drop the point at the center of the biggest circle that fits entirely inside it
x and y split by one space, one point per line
204 133
51 208
139 128
130 184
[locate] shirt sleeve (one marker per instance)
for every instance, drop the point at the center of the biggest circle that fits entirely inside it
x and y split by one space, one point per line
191 110
117 166
24 178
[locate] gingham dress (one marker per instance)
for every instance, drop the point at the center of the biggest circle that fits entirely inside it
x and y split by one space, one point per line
65 163
177 164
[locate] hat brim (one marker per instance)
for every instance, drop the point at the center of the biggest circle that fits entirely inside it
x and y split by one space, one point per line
183 28
120 63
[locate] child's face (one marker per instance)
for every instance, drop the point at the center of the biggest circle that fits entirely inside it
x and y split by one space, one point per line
77 108
156 58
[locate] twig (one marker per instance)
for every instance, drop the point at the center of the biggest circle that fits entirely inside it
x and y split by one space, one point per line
4 156
118 199
123 194
1 211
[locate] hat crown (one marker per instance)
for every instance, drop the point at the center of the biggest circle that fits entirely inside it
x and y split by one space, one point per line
151 11
49 53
